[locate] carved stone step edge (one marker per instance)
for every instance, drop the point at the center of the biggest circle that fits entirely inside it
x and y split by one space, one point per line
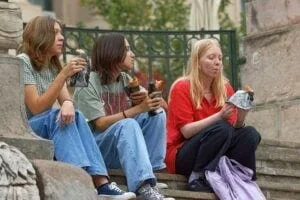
280 143
278 172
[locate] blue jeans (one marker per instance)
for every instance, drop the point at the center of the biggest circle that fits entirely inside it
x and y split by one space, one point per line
73 143
137 145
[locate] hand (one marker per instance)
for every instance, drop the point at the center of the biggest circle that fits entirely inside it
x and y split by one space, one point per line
138 97
150 104
74 66
226 110
66 114
164 105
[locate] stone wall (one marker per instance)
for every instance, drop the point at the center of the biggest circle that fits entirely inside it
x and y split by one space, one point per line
14 129
272 68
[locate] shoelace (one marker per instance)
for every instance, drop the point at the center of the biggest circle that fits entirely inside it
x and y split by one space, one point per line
114 186
157 191
151 192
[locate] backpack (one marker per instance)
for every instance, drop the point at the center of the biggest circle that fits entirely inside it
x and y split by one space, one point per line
232 181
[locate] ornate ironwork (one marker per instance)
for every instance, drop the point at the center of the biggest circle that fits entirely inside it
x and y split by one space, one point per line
159 54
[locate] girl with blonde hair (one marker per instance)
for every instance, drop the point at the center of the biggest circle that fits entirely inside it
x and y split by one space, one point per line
201 125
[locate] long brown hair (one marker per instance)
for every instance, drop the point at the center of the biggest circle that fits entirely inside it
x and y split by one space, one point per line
108 53
38 38
195 75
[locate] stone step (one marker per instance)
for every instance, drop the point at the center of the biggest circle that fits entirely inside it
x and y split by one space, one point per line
264 174
183 195
272 189
275 151
278 172
278 175
186 195
277 190
174 182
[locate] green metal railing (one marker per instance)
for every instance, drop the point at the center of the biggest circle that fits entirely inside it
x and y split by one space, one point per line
159 54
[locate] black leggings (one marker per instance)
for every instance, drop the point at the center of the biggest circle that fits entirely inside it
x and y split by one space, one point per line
204 150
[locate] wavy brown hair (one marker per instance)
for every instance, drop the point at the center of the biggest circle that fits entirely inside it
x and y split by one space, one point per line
38 38
108 53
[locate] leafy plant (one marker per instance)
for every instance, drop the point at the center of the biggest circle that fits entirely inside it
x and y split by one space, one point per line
142 14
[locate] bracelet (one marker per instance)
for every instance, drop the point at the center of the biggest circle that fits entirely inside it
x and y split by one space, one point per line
124 115
67 100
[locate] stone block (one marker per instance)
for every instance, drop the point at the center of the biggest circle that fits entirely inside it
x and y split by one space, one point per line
277 120
293 8
61 181
265 15
11 27
272 67
14 128
33 148
264 119
290 126
12 118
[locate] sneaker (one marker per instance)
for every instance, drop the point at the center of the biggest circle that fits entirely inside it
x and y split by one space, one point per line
164 198
146 192
199 185
161 185
112 191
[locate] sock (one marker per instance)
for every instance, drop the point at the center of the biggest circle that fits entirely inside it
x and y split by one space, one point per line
194 175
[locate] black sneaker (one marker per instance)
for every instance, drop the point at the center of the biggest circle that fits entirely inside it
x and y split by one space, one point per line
199 185
112 191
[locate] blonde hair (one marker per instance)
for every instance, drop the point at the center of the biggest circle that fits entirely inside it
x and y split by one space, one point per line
38 37
195 75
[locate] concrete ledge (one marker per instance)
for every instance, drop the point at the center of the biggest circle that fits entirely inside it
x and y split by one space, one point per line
184 195
280 143
31 147
61 181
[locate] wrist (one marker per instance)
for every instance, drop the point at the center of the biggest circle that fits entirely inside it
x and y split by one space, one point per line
63 74
239 125
67 100
139 108
124 114
219 116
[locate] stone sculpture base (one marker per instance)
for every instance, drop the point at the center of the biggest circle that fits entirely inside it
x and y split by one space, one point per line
14 129
18 178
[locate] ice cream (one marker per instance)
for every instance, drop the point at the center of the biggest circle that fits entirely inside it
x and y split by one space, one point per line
133 85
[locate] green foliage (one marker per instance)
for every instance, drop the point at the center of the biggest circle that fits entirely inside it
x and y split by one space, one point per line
142 14
225 21
158 15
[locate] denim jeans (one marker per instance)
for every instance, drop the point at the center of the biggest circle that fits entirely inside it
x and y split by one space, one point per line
73 143
137 145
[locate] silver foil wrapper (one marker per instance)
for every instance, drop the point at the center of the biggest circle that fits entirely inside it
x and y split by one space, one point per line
242 99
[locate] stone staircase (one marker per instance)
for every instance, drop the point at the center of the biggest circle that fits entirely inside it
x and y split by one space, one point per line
278 172
278 168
